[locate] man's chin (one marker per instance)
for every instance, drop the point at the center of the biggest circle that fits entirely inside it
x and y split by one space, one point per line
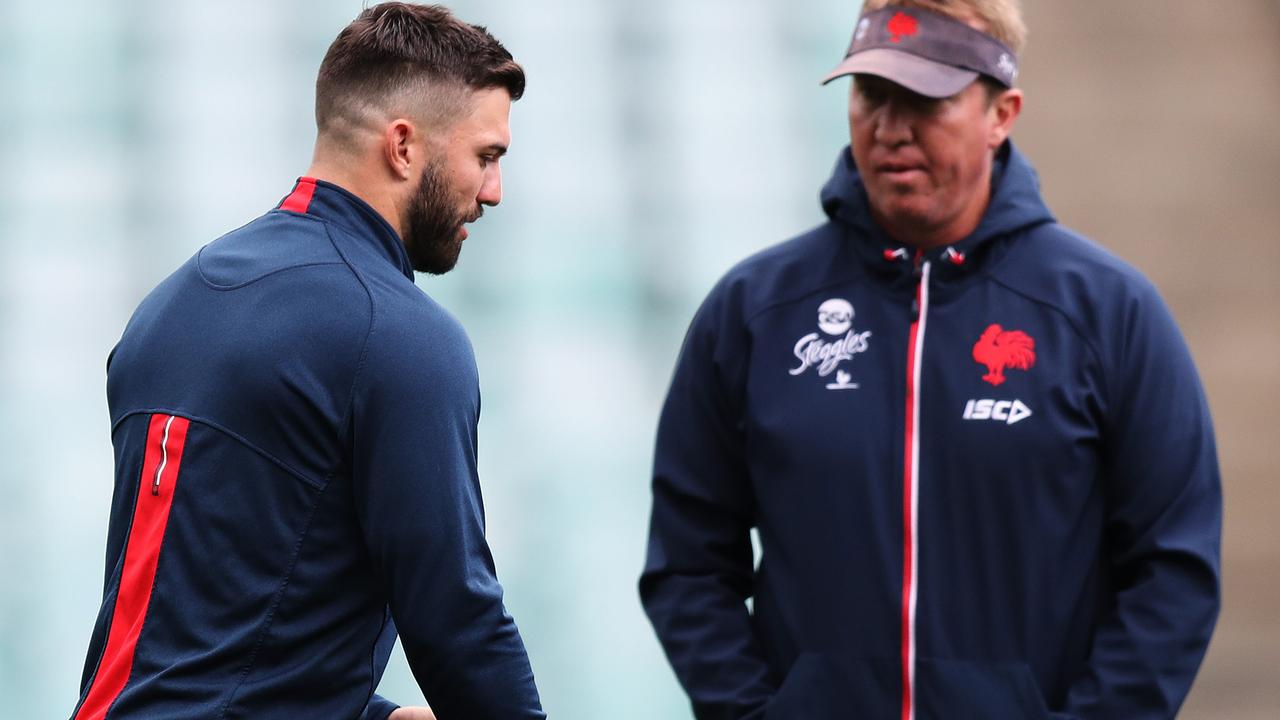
437 266
441 260
904 210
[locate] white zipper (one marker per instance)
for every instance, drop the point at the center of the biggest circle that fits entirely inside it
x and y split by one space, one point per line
913 476
164 460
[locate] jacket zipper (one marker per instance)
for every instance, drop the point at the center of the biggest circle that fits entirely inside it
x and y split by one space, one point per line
911 483
164 460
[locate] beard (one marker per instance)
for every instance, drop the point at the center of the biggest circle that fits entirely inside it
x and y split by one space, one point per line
433 227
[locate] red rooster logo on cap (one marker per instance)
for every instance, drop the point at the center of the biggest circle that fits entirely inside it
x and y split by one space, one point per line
999 349
902 25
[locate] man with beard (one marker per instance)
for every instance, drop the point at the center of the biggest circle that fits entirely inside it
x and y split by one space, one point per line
973 443
294 422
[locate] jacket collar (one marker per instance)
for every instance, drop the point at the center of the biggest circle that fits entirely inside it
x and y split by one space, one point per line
1015 205
335 204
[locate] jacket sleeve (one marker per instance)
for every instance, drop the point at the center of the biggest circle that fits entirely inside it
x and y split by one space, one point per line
698 571
417 494
1164 524
379 708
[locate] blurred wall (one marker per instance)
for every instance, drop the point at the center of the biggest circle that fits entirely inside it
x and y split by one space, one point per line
657 144
1153 125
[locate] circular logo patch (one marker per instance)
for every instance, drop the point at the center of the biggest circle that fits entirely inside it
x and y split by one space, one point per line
835 316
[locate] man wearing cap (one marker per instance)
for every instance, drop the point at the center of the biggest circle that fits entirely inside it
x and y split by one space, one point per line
973 443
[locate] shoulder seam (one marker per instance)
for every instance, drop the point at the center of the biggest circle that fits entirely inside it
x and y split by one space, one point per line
224 288
216 286
317 484
823 228
794 298
364 351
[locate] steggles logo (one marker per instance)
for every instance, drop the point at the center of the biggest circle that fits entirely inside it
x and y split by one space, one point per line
835 317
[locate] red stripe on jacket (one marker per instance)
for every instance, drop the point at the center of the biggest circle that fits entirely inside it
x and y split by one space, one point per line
908 560
166 438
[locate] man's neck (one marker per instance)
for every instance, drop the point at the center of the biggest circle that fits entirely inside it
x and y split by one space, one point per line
349 177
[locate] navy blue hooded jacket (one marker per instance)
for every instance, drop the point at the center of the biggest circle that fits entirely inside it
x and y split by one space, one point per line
294 424
983 477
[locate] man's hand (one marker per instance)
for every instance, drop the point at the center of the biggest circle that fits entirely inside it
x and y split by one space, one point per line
412 713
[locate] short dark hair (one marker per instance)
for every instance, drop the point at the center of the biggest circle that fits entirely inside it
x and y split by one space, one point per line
393 46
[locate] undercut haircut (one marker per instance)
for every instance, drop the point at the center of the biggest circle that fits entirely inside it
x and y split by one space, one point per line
402 59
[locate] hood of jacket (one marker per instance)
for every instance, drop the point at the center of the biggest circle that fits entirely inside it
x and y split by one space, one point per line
1015 206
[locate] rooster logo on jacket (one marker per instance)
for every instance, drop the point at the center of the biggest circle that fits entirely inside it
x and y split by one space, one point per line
999 349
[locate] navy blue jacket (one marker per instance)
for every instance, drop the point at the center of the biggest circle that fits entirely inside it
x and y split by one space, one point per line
983 477
294 424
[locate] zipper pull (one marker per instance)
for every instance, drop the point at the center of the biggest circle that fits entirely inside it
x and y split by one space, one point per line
164 460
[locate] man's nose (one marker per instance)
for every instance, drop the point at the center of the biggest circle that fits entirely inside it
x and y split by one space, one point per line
491 188
894 124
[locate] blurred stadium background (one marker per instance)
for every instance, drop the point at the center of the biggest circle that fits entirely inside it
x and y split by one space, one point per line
658 143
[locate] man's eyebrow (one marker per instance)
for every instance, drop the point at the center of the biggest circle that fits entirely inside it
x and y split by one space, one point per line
497 149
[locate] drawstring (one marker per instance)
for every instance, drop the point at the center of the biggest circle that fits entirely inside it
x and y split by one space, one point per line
951 255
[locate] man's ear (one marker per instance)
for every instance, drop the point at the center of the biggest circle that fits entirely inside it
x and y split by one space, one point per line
1006 107
398 138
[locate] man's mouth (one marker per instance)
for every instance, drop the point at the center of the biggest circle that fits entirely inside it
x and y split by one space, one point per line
462 227
900 172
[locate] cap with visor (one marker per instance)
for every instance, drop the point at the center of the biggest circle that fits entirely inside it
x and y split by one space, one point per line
926 52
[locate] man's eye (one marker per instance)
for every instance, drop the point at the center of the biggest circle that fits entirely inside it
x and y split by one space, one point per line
927 105
872 95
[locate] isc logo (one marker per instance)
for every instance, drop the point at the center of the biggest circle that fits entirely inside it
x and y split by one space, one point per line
1006 411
